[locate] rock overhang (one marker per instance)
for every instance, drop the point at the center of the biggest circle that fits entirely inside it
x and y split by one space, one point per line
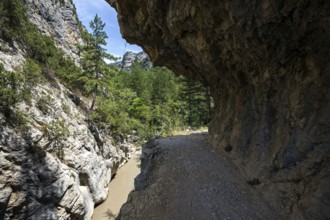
267 63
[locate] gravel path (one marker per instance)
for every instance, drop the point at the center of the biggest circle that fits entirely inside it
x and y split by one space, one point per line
184 178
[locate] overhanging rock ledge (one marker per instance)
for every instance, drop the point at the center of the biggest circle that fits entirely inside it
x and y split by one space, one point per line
267 63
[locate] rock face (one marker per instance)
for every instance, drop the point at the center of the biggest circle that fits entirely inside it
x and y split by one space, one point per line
48 175
11 56
53 163
58 19
54 18
267 63
130 58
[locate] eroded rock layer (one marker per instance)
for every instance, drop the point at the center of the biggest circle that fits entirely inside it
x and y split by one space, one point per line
267 63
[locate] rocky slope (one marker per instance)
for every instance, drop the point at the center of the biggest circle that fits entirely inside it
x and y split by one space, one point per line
130 58
59 20
57 166
267 63
53 163
54 18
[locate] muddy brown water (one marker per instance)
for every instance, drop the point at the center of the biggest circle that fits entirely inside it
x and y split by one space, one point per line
119 188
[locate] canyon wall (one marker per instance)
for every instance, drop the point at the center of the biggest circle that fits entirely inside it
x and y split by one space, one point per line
54 18
58 19
54 164
267 63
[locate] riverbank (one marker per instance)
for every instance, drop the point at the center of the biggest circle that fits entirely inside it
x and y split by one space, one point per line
119 188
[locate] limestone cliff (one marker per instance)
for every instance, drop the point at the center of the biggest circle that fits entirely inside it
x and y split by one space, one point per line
267 63
54 18
56 166
130 58
59 20
53 163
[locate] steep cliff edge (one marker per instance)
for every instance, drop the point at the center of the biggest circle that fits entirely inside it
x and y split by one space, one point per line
59 20
56 19
267 63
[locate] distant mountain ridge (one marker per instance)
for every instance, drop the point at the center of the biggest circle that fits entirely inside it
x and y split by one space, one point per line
130 58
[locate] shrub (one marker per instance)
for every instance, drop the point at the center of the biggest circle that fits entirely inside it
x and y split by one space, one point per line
44 103
55 132
109 114
20 120
66 108
10 86
32 73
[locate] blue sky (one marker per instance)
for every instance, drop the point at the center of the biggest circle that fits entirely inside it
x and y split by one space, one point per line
87 9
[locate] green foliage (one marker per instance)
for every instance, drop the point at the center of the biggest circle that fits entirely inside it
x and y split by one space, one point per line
94 58
39 48
66 108
164 86
44 103
55 132
140 81
19 120
163 102
12 91
12 18
197 100
10 86
61 1
32 73
70 74
17 27
139 110
110 116
148 102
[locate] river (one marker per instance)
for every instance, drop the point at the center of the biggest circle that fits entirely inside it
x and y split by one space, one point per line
119 188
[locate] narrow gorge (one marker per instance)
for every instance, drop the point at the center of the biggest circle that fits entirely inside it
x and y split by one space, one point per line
255 73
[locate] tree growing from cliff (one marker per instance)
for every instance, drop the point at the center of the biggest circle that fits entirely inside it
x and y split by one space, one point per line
94 57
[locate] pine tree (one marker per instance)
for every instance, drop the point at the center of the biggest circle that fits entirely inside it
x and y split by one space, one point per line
94 56
198 99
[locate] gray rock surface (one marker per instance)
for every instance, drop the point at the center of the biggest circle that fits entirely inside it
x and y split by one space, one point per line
267 63
130 58
11 56
58 19
43 178
54 165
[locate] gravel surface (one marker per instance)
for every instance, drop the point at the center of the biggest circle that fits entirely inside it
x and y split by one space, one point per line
184 178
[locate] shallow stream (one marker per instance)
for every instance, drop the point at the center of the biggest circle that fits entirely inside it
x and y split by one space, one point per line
119 188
